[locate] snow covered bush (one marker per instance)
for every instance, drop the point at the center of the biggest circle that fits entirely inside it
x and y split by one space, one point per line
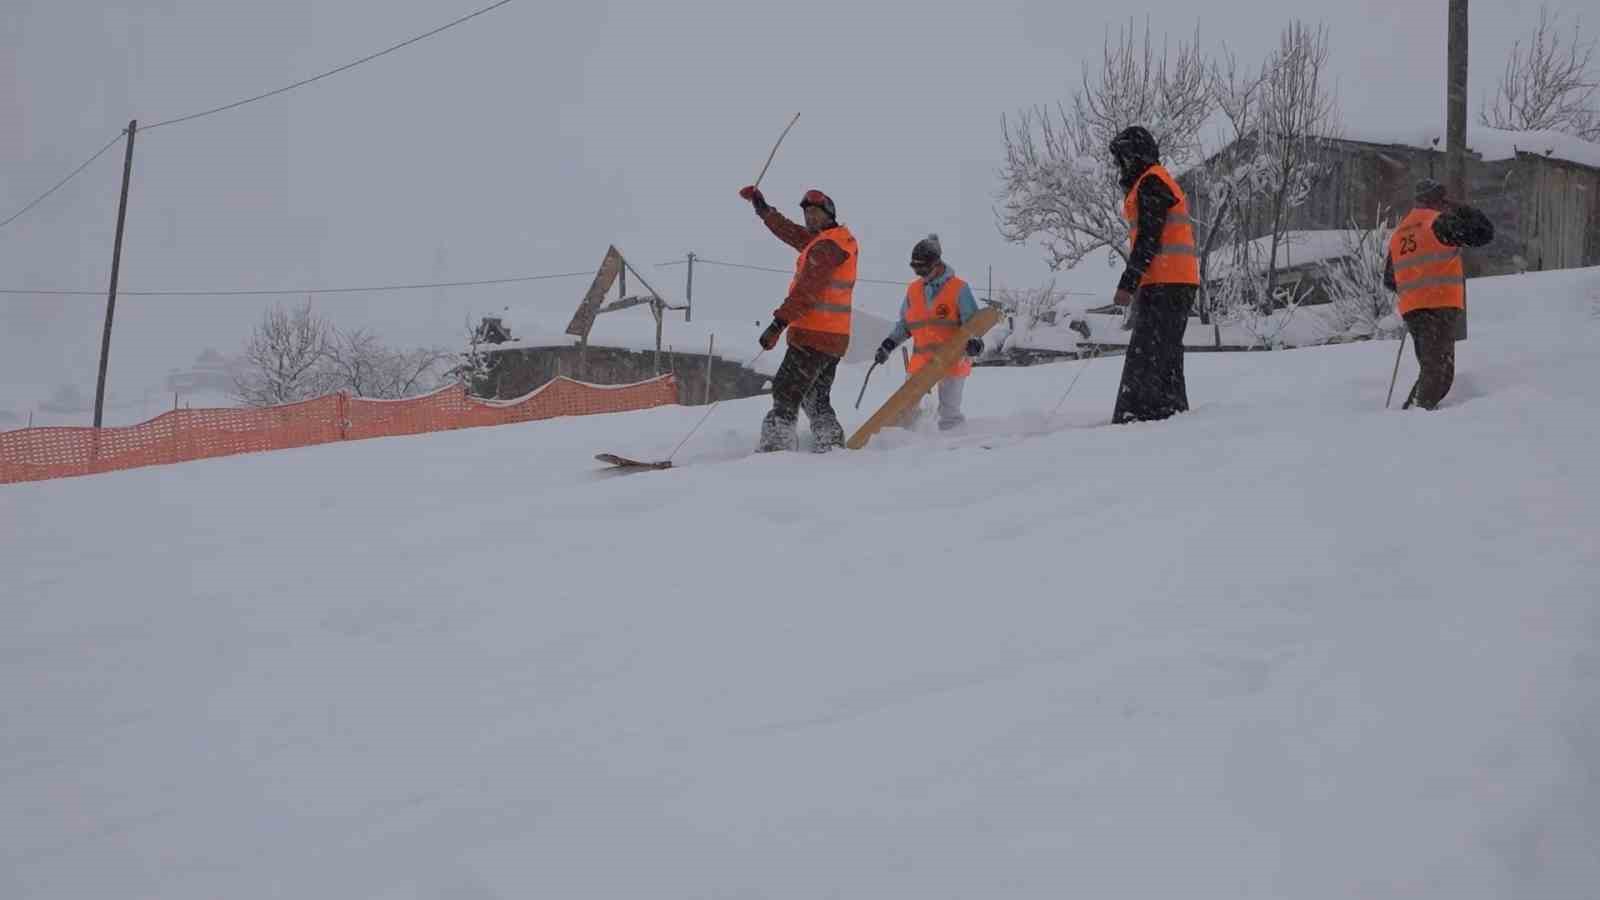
1355 280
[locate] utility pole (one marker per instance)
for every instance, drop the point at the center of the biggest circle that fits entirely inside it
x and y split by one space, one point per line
116 268
1456 117
688 290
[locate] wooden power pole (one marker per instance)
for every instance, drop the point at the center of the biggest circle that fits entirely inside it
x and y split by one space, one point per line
1456 117
688 290
116 268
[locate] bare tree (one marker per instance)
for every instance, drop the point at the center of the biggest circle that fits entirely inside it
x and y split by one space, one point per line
1226 183
1278 120
1030 306
354 360
1548 84
359 362
283 359
1059 180
1354 279
1299 115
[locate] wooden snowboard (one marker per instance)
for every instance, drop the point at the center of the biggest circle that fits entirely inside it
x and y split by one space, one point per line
929 375
625 463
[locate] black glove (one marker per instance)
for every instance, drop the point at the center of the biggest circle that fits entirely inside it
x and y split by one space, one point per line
884 349
974 347
769 338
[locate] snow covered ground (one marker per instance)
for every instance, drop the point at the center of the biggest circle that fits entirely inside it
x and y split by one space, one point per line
1286 645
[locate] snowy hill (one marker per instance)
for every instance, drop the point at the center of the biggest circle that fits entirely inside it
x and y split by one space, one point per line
1286 645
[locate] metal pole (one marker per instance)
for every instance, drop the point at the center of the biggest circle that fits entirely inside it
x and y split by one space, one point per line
688 291
1396 374
116 269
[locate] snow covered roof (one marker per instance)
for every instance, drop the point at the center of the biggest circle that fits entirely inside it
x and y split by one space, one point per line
1295 248
1490 143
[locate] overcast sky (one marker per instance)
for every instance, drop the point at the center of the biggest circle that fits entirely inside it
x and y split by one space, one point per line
529 139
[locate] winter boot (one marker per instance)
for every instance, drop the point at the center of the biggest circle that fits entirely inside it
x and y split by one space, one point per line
827 433
777 433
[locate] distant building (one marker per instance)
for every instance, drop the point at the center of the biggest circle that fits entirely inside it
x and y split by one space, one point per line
1541 190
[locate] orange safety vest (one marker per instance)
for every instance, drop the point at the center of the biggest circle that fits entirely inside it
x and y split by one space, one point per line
931 325
831 313
1178 260
1428 274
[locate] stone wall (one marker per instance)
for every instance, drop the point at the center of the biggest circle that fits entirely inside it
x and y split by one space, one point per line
516 371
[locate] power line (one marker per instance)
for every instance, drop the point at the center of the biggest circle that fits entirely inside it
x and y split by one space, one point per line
293 292
717 262
301 291
343 68
238 103
71 175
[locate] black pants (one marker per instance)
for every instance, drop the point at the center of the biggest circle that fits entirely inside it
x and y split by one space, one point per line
804 382
1153 386
1433 336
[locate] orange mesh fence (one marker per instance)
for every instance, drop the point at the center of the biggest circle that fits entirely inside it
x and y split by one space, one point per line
34 454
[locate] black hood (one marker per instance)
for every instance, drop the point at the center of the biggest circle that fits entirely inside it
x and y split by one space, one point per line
1135 150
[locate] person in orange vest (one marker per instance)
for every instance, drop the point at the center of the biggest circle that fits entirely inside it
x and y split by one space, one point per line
937 304
816 312
1424 269
1158 285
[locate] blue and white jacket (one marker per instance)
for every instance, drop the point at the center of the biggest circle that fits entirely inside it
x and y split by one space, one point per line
968 304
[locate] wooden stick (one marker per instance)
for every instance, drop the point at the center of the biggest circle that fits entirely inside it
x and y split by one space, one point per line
711 348
775 149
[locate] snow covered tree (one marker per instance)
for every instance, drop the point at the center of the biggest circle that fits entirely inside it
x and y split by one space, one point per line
360 363
1548 84
1223 183
295 354
1030 306
1279 120
1298 116
1060 184
283 360
474 368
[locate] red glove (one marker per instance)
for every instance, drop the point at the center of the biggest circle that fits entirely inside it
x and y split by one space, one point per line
1123 298
753 194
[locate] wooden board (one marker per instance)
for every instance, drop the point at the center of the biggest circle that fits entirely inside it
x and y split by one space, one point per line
583 318
931 374
626 463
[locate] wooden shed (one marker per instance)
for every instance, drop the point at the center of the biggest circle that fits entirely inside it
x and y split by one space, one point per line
1541 190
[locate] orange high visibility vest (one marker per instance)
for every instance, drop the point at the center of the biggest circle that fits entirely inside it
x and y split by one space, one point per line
1428 274
1178 260
931 325
831 313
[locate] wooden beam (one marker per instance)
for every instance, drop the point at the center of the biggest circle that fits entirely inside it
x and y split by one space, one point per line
583 318
624 303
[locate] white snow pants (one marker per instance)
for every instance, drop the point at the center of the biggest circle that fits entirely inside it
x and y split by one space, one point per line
950 391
